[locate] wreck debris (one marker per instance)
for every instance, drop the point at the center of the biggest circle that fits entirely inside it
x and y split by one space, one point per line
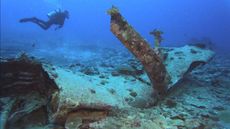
28 90
141 49
28 96
157 37
165 67
85 113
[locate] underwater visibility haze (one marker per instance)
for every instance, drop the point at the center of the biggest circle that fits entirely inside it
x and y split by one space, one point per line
115 64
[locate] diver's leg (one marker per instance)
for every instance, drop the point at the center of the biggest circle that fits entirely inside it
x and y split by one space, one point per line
44 25
27 20
36 20
32 19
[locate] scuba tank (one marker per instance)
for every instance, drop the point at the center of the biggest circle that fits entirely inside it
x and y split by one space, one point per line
52 13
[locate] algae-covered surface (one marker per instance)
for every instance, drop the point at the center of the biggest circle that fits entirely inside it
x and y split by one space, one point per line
200 101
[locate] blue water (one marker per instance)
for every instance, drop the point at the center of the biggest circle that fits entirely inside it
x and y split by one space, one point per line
181 21
85 54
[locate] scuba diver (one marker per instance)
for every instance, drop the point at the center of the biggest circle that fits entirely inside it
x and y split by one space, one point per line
56 17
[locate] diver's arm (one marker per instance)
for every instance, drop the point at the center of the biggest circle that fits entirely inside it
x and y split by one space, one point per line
58 27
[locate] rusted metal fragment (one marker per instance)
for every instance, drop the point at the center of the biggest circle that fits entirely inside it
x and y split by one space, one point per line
25 91
182 60
65 111
150 59
28 96
24 75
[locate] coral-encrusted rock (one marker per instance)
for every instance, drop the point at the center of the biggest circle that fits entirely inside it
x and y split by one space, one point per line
25 91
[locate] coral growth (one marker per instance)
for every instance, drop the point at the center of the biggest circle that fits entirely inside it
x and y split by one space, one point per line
157 37
113 10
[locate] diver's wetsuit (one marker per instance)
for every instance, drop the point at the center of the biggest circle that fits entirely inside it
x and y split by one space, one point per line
57 19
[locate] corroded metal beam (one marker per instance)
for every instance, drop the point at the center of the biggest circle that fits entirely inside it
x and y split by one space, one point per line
150 59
